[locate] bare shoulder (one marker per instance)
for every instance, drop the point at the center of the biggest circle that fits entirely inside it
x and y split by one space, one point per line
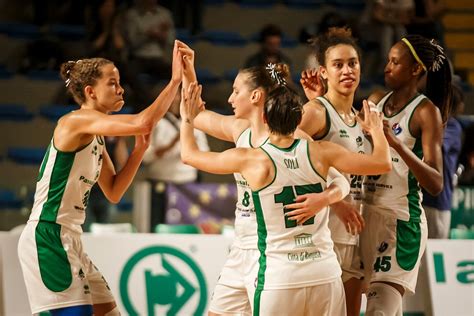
314 107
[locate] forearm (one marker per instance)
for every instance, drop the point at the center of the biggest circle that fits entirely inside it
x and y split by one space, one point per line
153 113
188 142
428 176
381 153
122 180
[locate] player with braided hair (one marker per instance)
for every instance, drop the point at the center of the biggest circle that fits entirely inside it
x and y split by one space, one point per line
58 274
395 240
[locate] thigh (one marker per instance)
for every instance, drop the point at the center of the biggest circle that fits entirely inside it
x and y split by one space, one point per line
235 288
350 261
52 270
281 302
326 299
392 251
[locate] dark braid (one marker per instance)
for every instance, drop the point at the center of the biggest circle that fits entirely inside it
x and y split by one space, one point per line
438 80
81 73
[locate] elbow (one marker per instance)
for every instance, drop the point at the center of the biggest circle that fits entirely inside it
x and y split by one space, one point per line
114 199
185 157
435 189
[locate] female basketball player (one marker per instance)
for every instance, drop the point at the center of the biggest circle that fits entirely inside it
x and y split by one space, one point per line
329 115
59 276
296 261
395 241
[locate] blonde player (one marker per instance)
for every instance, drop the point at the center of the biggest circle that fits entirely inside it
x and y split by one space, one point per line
296 261
58 274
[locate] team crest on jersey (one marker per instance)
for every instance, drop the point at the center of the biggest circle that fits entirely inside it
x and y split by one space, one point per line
304 240
396 128
343 133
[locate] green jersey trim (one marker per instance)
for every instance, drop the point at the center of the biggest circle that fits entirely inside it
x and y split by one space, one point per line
288 149
311 163
411 116
328 123
250 141
274 167
262 247
352 110
57 185
413 196
399 111
54 265
44 163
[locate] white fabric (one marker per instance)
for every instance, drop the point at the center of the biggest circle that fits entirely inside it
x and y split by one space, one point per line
350 261
383 300
169 167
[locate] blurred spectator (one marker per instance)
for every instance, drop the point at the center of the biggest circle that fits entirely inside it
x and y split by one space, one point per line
99 208
105 38
438 208
151 32
392 17
270 50
187 14
163 161
427 19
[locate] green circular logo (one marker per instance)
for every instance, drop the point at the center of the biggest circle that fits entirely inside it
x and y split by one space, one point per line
172 279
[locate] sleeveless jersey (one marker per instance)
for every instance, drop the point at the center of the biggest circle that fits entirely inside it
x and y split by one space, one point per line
64 183
245 221
291 255
352 138
397 193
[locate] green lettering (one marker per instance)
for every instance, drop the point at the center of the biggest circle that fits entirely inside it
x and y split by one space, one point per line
440 271
467 275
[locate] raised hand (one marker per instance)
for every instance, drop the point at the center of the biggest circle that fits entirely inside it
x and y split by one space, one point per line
372 121
177 64
312 83
190 102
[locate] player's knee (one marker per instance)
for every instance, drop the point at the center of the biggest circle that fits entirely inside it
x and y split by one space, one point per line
383 300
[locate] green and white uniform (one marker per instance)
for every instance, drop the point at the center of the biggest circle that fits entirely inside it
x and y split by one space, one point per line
234 291
292 256
56 270
352 138
393 245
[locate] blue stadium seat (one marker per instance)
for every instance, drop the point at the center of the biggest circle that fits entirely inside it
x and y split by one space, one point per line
8 199
224 38
15 112
205 76
185 36
286 40
20 30
5 73
53 112
26 155
125 206
230 74
68 32
46 74
305 4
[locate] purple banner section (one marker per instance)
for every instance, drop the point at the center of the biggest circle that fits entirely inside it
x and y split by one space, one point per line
201 203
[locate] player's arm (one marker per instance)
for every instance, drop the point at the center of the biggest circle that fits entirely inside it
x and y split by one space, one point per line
428 170
114 185
313 122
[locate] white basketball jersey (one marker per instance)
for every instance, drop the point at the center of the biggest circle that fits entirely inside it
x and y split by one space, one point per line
245 220
352 138
64 183
292 255
397 193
